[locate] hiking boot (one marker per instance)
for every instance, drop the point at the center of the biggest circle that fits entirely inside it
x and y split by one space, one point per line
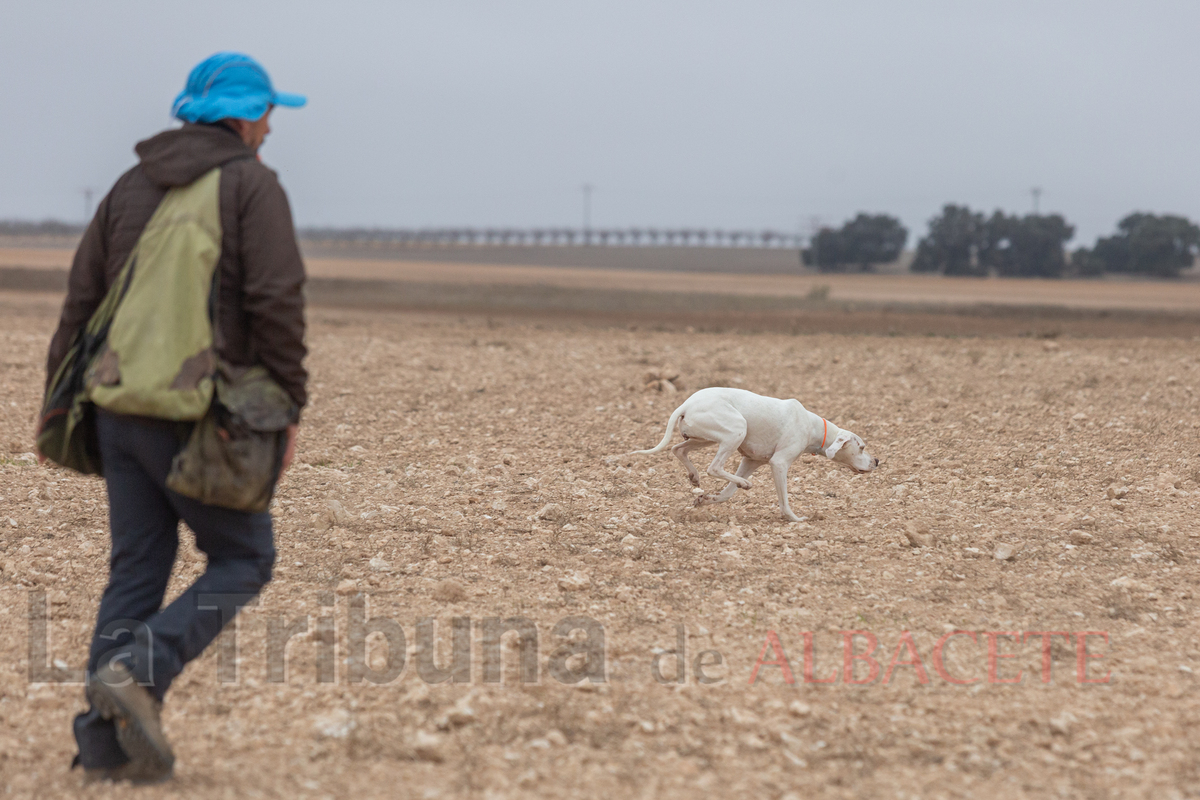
128 771
135 712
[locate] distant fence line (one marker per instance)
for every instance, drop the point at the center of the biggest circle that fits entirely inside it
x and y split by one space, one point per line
636 237
49 227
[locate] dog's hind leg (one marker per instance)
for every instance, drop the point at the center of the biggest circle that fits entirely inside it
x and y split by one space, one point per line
745 470
680 451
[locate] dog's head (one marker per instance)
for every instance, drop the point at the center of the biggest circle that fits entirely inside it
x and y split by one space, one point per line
849 449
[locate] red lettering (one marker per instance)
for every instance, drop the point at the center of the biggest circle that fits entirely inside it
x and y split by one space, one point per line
1082 656
849 657
994 656
809 658
773 644
906 641
940 667
1047 638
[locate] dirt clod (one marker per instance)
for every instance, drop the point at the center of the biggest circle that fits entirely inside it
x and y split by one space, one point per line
575 582
449 591
336 515
429 747
552 512
918 535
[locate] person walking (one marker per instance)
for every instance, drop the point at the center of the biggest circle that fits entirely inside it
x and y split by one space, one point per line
257 317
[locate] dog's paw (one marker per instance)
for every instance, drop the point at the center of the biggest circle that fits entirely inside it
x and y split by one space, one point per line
743 484
695 480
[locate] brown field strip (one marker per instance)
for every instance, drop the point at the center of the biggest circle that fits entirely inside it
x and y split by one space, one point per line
895 304
919 289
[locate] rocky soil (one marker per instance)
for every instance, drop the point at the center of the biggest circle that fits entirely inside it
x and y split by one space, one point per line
457 468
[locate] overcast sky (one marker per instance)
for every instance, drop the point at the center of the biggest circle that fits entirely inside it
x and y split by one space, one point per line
686 113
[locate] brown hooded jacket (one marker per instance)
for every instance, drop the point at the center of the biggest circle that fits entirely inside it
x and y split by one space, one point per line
260 312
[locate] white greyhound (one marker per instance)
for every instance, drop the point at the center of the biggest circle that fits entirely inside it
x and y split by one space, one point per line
765 430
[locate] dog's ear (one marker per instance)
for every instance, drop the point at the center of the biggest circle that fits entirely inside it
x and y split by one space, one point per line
837 444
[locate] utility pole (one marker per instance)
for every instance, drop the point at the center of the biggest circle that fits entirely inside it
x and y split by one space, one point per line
87 206
587 213
1037 196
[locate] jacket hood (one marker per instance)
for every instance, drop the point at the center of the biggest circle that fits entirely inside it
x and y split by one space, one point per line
179 156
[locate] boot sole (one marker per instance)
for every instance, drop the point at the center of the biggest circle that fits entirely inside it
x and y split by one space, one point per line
131 708
123 773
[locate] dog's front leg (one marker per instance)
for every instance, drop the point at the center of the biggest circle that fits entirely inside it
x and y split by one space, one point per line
779 470
725 449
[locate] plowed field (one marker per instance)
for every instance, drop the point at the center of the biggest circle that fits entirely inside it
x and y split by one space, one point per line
1039 496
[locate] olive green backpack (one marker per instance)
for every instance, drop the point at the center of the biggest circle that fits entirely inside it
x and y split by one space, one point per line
148 350
157 359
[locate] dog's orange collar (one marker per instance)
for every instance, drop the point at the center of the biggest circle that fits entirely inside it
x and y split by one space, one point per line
824 431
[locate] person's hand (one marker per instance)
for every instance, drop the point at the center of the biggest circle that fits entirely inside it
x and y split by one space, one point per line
290 451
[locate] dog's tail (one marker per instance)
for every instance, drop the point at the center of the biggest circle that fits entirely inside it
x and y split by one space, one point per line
666 440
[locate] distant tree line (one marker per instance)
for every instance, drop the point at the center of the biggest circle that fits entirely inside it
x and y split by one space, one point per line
1144 244
965 242
863 242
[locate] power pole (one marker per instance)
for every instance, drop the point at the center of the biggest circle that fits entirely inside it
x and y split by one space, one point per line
587 213
87 206
1037 196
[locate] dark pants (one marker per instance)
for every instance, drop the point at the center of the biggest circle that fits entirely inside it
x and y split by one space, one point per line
132 626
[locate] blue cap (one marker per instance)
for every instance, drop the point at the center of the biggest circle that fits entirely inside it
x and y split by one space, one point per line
229 85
